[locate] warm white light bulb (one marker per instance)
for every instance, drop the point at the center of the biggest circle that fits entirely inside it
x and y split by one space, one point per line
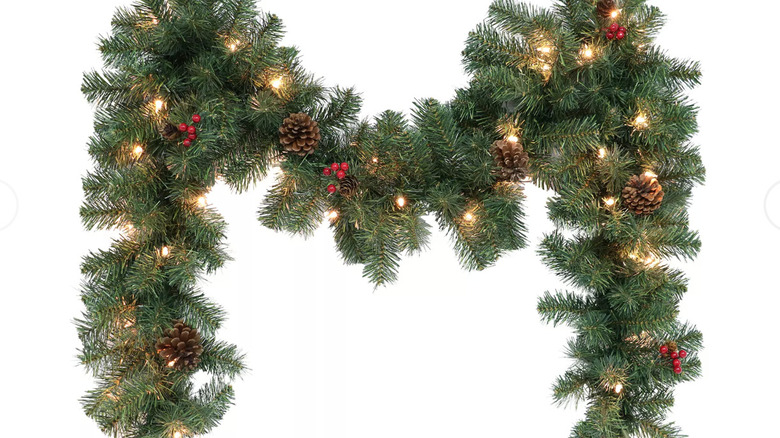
401 201
375 160
615 13
602 153
138 150
165 251
158 105
546 67
512 139
154 21
618 388
545 49
277 83
651 174
170 365
609 201
332 215
202 201
468 217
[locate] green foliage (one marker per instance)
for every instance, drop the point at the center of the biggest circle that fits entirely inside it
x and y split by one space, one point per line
219 59
577 115
434 166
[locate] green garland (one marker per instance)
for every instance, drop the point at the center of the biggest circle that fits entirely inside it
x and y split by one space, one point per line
215 67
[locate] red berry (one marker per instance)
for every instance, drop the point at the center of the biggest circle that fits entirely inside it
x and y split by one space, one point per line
678 370
610 36
192 136
683 354
341 174
614 27
331 189
196 118
664 349
673 355
621 35
191 129
183 127
326 171
676 363
344 166
334 166
623 29
187 142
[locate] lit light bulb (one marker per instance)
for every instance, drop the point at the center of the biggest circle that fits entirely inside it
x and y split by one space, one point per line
618 388
170 365
375 160
233 46
154 21
165 251
158 105
202 201
641 121
332 215
651 174
587 52
602 153
401 201
652 261
468 217
277 83
138 150
609 201
615 13
545 49
512 139
546 67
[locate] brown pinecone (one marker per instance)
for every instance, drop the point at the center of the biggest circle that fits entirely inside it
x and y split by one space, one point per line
348 186
181 347
643 194
511 160
170 131
605 8
299 134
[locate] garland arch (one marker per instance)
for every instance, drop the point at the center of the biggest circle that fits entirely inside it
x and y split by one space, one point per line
576 99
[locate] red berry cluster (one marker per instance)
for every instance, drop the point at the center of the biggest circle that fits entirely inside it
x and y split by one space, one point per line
190 130
671 352
616 31
341 172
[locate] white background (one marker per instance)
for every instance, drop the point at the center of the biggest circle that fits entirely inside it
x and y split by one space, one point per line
442 353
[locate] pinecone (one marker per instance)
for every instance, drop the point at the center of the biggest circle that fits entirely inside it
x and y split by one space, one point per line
181 347
511 160
348 186
643 194
605 8
299 134
169 131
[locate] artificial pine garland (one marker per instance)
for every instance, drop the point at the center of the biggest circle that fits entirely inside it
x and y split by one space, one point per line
588 131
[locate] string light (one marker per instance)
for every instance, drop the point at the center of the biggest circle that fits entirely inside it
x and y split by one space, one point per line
586 52
277 83
652 261
546 67
609 201
233 46
545 49
512 139
641 122
138 150
332 215
602 153
165 251
618 388
158 105
651 174
401 201
375 160
170 365
155 21
468 217
202 201
615 13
